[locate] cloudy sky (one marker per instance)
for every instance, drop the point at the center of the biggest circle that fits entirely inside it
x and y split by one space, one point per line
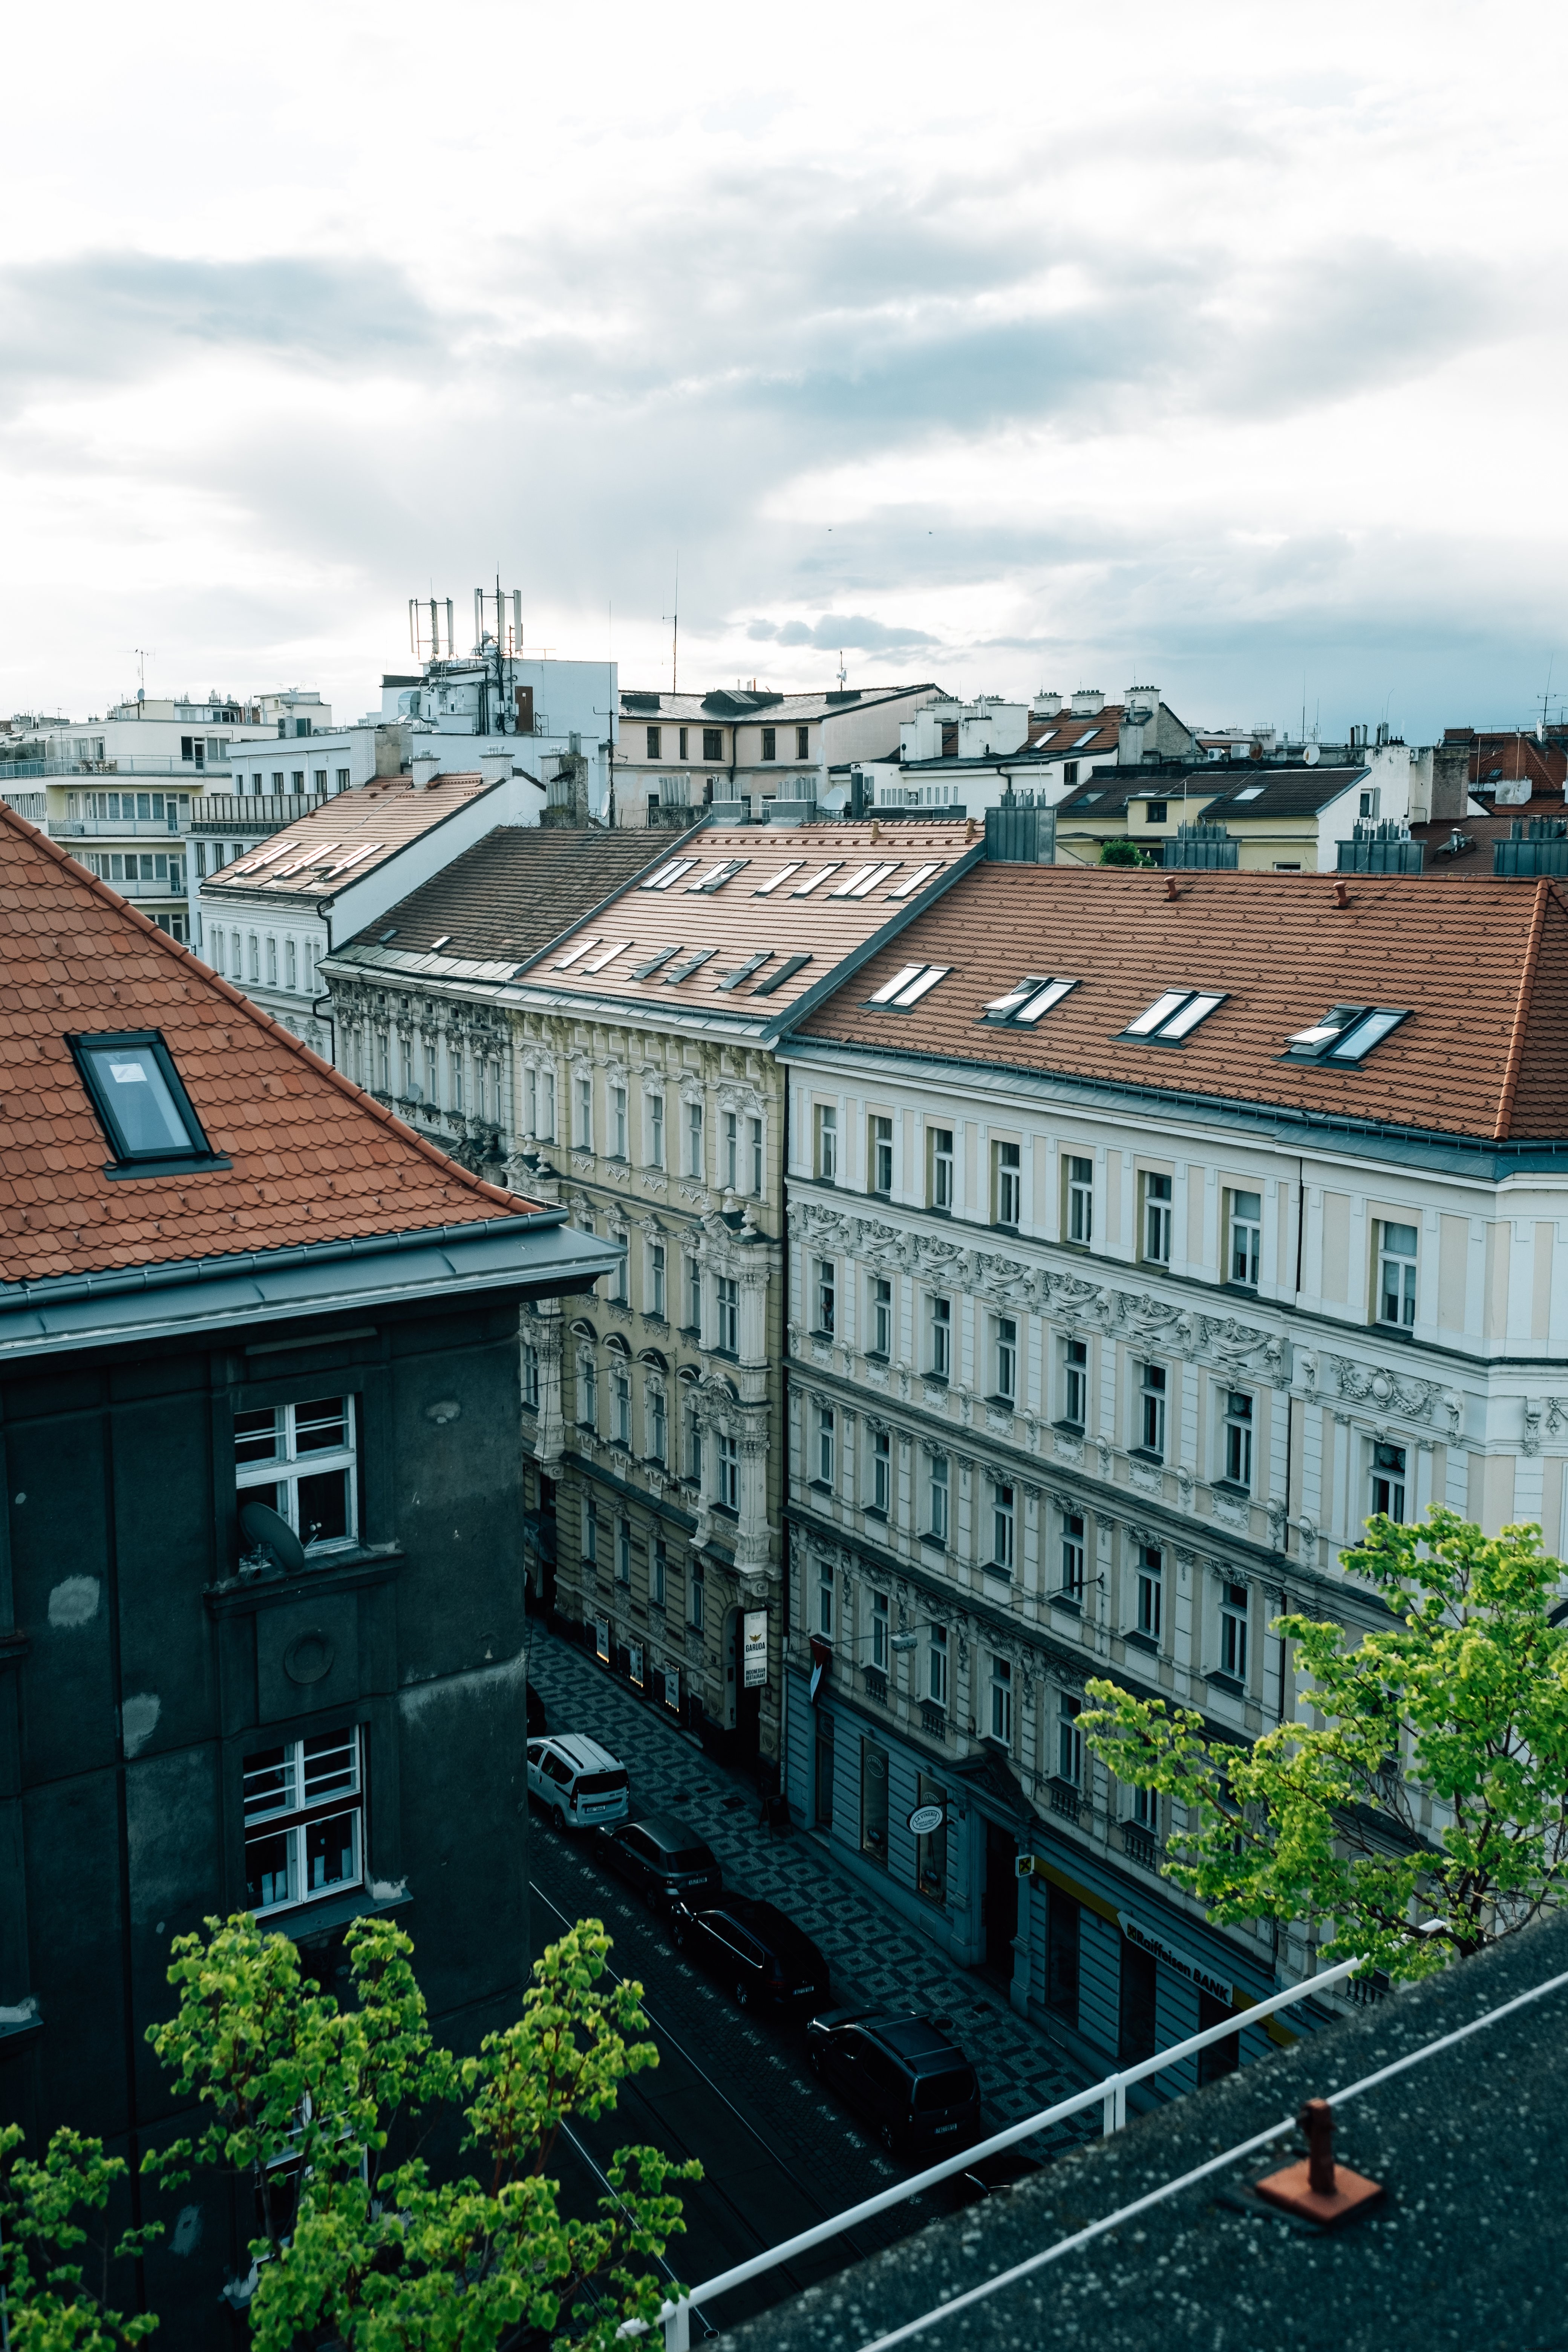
1010 346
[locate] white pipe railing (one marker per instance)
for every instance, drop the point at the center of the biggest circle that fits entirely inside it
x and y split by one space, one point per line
1110 2094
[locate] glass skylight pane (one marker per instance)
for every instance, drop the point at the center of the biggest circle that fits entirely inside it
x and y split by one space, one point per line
580 948
911 882
354 855
720 875
598 963
1197 1009
786 970
654 963
928 978
1252 793
803 889
864 880
1158 1014
1048 996
889 988
1002 1006
1085 739
1365 1036
317 856
783 874
666 874
679 972
1318 1036
744 970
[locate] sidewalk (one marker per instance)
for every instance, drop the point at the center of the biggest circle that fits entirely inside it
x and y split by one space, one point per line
874 1957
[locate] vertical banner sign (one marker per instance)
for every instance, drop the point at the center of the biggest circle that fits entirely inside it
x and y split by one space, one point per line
754 1648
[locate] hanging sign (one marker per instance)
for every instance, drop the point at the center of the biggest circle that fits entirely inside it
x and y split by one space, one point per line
754 1648
926 1820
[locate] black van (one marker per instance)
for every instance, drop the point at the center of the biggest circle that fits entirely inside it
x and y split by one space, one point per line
904 2075
761 1956
664 1860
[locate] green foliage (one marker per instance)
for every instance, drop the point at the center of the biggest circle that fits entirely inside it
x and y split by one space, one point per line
1417 1806
44 2298
305 2096
1123 853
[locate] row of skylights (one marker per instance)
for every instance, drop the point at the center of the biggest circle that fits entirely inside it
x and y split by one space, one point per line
1347 1033
1029 1001
908 987
862 883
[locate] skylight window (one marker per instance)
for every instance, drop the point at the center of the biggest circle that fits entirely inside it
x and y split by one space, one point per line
1085 739
786 970
355 855
680 972
864 880
444 940
1173 1017
720 875
1345 1035
1251 792
317 856
270 855
764 888
606 955
655 962
907 987
744 970
663 876
911 882
142 1104
580 948
1029 1001
813 881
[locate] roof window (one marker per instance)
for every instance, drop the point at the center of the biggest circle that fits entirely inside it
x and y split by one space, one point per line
679 972
1249 792
803 889
786 970
864 880
141 1104
606 955
1173 1017
720 875
1029 1002
907 987
354 855
655 962
1085 739
1345 1035
783 874
663 876
580 948
744 970
911 882
269 856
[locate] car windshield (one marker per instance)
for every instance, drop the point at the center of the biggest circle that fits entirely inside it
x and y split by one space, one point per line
953 2089
690 1857
601 1784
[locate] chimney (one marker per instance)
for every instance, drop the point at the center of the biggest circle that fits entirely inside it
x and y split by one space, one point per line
1451 780
426 769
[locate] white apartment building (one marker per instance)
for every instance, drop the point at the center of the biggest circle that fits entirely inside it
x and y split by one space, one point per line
1147 1233
748 754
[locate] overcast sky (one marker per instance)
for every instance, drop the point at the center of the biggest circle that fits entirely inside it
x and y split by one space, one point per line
1219 348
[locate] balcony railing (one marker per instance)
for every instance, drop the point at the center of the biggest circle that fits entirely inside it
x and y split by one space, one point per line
876 1684
934 1719
1141 1845
1065 1800
261 812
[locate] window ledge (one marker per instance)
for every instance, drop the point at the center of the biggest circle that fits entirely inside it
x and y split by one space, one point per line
308 1923
873 1512
994 1568
1233 1487
935 1543
877 1356
819 1487
1227 1683
361 1564
938 1380
1069 1428
1001 1403
1144 1454
825 1337
1396 1332
724 1511
1143 1641
1066 1600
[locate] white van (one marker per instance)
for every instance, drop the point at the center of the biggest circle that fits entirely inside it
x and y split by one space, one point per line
581 1783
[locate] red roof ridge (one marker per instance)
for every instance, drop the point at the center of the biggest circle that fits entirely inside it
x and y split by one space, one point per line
513 1202
1521 1012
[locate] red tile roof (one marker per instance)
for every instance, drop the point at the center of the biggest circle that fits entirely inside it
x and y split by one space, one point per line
347 837
1477 834
314 1159
1481 966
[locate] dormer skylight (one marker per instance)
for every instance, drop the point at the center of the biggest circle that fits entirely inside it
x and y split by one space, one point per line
911 882
865 879
1346 1034
319 856
1173 1017
814 881
663 876
1029 1002
719 874
764 888
907 987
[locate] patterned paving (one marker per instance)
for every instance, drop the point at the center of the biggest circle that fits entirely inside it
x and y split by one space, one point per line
873 1955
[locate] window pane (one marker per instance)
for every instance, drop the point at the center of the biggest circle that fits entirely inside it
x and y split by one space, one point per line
269 1878
322 1426
256 1436
139 1098
324 1507
330 1762
331 1852
269 1785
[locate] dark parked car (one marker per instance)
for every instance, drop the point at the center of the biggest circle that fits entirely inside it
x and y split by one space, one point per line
760 1955
904 2075
663 1859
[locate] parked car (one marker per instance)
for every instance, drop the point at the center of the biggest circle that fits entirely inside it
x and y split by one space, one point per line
664 1859
538 1721
763 1956
904 2074
581 1784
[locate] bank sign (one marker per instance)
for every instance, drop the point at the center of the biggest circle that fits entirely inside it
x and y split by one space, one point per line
1159 1950
754 1648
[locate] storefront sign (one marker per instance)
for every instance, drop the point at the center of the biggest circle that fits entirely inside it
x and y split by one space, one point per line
926 1820
754 1648
1159 1950
602 1639
672 1689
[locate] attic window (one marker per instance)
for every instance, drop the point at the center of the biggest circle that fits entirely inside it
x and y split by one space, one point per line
786 970
141 1104
1173 1017
679 972
783 874
864 880
907 987
1029 1002
803 889
911 882
436 944
1085 739
655 962
1346 1034
580 948
1251 792
606 955
663 876
720 875
744 970
354 855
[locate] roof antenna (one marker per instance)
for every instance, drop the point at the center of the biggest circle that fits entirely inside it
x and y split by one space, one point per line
1540 730
843 673
675 640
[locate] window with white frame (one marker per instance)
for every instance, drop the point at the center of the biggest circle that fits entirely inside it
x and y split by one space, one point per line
881 1629
531 1376
826 1143
727 1314
290 964
694 1296
695 1164
881 1473
1004 1345
693 1446
301 1461
655 1275
1158 1214
754 1143
1080 1201
1145 1809
824 1298
617 1122
623 1552
696 1597
430 1082
1244 1256
1388 1480
584 1138
826 1434
1151 1385
1070 1741
1003 1526
939 1168
587 1392
656 1131
621 1406
617 1277
1000 1728
1148 1592
1238 1439
1233 1631
407 1068
936 1665
941 1338
1073 1563
825 1600
657 1572
1396 1275
304 1822
545 1129
879 1156
882 1317
1075 1383
938 1497
658 1426
1006 1185
727 1472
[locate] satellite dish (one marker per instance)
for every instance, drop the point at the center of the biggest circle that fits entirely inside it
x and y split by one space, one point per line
272 1533
1310 756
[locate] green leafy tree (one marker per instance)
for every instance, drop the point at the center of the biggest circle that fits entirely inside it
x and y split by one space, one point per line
305 2096
1417 1806
46 2303
1122 852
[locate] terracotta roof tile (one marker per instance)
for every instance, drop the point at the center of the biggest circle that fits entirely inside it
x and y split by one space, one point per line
512 893
1482 967
346 838
314 1159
